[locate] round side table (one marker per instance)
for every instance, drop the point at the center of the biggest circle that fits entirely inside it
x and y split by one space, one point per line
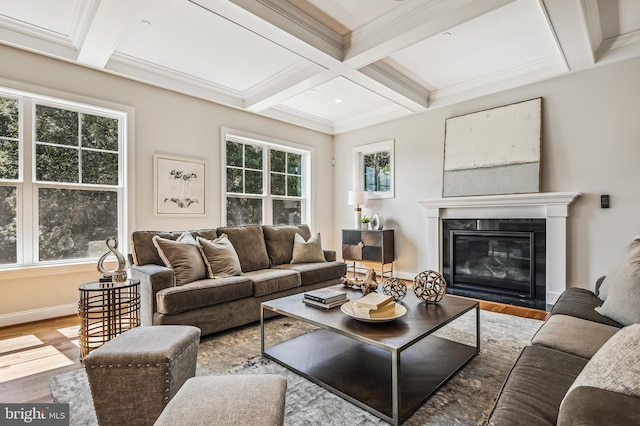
106 309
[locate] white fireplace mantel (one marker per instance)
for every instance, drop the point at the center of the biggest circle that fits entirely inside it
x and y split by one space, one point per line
552 206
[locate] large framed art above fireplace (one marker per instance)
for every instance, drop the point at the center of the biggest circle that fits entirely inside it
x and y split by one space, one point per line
551 209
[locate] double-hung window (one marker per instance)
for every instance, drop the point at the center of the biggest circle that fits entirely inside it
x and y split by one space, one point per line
61 179
266 183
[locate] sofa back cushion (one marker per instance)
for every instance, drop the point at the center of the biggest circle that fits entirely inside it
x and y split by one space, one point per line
249 244
144 252
279 241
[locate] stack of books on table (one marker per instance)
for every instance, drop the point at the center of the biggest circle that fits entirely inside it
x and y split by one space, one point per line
325 298
374 305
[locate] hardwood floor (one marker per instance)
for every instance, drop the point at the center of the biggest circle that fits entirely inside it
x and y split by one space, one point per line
30 354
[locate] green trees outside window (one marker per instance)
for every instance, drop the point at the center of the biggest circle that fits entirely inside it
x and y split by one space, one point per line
9 171
264 184
377 171
76 183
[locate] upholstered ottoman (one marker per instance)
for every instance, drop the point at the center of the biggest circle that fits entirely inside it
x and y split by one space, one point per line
133 376
233 400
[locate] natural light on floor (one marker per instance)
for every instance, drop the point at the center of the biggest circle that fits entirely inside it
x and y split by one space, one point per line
25 355
69 332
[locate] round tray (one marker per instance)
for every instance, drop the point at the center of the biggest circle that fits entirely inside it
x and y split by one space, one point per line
347 308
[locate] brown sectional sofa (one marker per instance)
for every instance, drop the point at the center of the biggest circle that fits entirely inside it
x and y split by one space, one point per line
539 391
265 253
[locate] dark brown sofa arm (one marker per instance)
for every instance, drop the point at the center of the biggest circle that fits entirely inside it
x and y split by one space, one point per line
587 405
153 278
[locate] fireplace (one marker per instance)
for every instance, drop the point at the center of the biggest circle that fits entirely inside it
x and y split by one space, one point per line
552 207
501 260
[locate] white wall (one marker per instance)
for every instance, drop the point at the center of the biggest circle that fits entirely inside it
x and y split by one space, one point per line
165 122
591 144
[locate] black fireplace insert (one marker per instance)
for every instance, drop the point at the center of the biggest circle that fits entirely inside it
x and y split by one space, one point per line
502 261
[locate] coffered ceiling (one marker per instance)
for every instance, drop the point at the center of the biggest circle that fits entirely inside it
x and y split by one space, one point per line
329 65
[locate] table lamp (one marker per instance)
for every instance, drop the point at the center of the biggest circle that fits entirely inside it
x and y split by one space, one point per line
357 198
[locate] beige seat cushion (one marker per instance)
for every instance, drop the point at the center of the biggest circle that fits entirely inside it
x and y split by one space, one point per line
199 294
572 335
269 281
312 273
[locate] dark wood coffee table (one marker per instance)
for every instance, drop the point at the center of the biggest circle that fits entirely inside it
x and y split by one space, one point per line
389 369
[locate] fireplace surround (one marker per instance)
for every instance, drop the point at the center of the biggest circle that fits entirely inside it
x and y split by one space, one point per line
553 207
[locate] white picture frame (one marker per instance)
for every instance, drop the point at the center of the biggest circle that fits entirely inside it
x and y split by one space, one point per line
359 154
179 186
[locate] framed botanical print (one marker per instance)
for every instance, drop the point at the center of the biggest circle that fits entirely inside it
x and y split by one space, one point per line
179 186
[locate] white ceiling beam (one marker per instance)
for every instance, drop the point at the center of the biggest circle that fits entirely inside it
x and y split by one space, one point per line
287 85
576 26
104 31
259 25
410 23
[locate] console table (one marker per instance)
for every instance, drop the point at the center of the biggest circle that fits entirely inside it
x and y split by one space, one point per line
106 309
371 248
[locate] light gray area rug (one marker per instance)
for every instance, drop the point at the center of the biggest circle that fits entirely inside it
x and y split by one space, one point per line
465 400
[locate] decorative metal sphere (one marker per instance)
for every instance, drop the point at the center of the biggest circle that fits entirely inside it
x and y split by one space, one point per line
394 287
429 286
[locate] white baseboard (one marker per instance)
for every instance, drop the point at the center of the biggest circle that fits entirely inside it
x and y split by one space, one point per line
38 314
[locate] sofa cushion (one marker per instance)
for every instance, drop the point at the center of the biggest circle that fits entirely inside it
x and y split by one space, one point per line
534 389
585 405
279 241
220 257
249 244
623 270
622 288
269 281
144 251
573 335
307 251
616 366
202 293
312 273
580 303
184 258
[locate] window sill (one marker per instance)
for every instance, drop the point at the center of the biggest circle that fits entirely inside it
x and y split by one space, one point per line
35 271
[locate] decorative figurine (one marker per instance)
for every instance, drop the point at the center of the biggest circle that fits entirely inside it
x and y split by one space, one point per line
395 287
119 274
368 285
429 286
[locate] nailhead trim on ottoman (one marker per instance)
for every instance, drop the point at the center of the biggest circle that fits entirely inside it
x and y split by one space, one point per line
135 375
232 400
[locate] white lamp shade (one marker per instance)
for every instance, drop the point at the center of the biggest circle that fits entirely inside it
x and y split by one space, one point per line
357 198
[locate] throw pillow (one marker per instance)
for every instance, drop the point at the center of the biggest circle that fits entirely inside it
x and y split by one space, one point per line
622 302
616 365
220 257
618 271
186 237
307 251
183 258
